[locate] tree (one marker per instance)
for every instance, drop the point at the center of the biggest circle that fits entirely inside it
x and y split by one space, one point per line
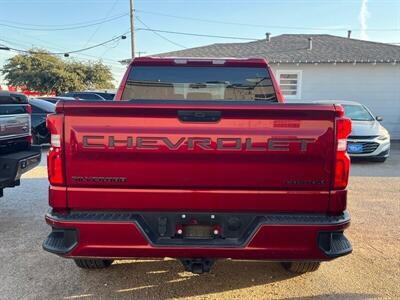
41 71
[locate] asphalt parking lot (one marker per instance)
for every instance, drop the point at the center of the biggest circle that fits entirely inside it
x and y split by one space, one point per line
371 271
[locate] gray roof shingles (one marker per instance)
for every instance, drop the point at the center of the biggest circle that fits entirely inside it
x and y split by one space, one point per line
293 48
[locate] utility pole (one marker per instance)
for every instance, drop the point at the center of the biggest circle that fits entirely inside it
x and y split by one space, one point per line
132 29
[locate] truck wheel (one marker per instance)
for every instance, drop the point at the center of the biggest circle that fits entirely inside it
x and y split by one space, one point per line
93 263
301 267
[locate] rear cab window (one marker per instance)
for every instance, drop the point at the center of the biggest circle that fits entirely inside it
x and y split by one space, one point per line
199 83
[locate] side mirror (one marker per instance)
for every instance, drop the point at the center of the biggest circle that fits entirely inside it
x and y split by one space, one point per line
379 118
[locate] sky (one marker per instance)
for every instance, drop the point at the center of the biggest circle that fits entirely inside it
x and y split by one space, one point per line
25 24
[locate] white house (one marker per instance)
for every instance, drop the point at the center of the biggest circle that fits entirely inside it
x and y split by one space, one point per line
311 67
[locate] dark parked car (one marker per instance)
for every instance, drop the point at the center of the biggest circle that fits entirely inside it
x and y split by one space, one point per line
40 110
54 100
99 96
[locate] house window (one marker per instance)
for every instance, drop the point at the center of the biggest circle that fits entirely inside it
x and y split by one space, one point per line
290 83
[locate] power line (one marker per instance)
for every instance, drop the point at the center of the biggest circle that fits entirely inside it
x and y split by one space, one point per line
16 42
98 27
39 58
65 25
56 47
49 61
122 36
44 60
159 35
198 34
258 25
12 43
75 51
147 28
65 28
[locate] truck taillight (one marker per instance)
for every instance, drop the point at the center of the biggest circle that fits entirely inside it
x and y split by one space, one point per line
342 162
55 166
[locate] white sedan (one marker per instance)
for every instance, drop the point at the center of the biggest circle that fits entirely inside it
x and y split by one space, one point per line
368 138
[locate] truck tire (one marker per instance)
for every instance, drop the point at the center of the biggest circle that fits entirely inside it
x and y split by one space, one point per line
301 267
93 263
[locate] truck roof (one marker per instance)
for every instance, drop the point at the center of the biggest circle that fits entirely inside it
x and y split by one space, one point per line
216 61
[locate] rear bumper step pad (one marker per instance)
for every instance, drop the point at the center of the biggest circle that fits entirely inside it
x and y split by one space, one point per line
334 244
61 241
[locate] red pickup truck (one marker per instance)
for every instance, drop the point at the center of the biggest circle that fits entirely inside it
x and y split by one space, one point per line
198 159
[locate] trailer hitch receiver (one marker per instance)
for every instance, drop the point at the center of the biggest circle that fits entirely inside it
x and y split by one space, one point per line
197 265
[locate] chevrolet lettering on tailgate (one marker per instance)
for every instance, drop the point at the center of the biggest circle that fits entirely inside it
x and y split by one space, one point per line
192 143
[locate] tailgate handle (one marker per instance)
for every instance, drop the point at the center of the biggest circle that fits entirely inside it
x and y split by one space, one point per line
199 115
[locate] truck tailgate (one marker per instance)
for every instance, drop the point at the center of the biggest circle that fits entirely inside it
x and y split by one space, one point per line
14 127
150 145
14 121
